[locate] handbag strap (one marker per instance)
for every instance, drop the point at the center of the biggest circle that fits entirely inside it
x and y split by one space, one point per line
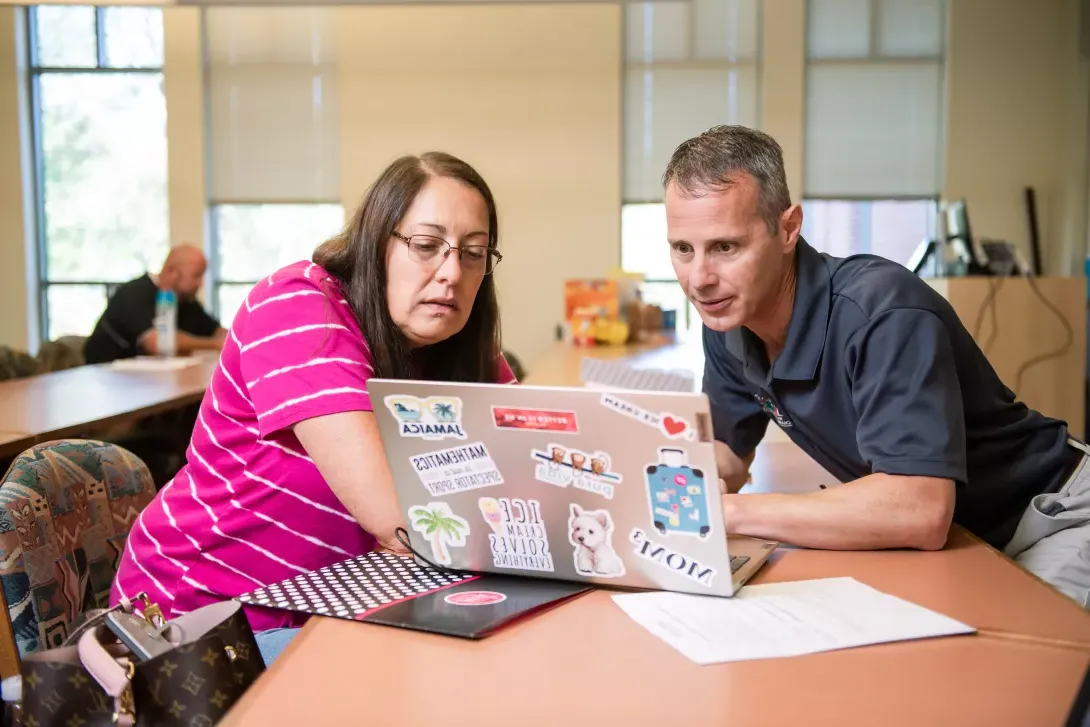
113 675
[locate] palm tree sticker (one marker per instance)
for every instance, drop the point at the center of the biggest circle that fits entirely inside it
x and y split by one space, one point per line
444 412
443 529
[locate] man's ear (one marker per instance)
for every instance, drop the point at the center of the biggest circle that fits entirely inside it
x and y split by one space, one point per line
791 225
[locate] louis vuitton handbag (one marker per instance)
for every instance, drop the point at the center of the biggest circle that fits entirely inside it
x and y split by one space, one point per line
94 680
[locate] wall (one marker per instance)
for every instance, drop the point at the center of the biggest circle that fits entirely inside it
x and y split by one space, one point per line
783 83
535 104
16 292
1016 117
183 86
530 96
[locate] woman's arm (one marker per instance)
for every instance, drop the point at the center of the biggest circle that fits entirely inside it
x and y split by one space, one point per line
347 450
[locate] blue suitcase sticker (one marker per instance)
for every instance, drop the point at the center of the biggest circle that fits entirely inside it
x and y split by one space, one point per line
678 495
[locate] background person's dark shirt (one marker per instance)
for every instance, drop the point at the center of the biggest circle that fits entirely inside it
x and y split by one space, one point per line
878 374
131 312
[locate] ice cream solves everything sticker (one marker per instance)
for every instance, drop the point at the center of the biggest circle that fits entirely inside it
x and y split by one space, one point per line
518 536
672 426
457 469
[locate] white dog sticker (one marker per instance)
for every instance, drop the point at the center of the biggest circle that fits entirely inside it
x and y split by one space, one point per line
591 532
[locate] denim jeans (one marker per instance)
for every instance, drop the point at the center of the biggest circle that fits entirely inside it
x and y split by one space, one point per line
272 642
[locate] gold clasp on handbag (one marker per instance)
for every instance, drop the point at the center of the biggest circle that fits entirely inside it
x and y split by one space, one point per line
153 615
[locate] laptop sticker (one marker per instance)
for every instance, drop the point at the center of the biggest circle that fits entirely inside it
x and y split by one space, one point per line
670 559
441 527
457 469
678 495
673 427
436 417
475 598
562 467
518 538
535 420
591 534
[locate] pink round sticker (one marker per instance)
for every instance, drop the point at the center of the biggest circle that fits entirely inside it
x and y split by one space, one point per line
680 480
475 598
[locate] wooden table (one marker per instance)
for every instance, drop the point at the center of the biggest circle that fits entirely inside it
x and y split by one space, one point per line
587 662
77 401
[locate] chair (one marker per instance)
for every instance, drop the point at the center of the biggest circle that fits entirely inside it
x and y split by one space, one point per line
66 508
516 366
64 353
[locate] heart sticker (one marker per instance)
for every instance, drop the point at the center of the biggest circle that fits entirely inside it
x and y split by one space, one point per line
673 426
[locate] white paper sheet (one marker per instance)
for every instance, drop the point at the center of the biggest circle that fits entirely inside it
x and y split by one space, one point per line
616 375
783 619
154 363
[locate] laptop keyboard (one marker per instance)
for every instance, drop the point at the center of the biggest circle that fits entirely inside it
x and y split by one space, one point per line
737 561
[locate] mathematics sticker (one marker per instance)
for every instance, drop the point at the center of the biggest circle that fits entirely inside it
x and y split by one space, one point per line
672 560
441 527
518 538
436 417
673 427
591 534
456 469
535 420
560 466
678 495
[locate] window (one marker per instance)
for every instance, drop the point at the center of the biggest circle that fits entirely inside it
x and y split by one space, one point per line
99 119
890 228
874 131
256 239
274 141
688 67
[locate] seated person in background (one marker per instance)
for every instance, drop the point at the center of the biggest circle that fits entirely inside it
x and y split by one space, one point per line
867 369
126 328
286 472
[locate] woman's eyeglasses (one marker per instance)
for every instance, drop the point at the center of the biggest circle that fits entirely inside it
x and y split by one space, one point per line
433 251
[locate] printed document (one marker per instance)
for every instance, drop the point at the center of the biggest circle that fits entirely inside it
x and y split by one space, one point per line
783 619
154 363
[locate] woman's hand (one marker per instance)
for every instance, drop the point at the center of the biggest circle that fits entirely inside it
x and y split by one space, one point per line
393 547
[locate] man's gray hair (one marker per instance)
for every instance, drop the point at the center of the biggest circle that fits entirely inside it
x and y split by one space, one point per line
714 159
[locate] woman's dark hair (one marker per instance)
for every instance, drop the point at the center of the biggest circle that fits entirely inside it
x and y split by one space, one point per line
357 257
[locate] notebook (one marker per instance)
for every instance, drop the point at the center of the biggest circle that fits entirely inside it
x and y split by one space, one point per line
386 589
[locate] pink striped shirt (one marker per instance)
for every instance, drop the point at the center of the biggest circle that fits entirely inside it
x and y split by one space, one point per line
249 507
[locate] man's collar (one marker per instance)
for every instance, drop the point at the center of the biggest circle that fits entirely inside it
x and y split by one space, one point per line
805 333
809 317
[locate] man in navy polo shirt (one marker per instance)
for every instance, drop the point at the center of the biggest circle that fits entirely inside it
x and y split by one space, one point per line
870 372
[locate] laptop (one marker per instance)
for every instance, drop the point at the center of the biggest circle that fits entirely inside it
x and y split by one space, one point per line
613 488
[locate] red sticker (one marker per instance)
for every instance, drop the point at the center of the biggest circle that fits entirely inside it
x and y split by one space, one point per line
537 420
475 598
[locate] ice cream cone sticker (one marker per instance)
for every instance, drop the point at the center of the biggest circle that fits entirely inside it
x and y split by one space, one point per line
441 527
490 509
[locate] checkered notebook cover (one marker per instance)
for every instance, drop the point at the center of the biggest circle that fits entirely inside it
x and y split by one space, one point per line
391 590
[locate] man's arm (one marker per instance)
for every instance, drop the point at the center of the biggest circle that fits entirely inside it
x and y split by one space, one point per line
738 421
733 470
872 513
185 343
911 430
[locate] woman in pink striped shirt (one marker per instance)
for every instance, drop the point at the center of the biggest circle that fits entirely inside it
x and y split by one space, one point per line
285 472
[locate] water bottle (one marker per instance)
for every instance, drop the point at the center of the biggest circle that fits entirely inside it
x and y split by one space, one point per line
166 322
